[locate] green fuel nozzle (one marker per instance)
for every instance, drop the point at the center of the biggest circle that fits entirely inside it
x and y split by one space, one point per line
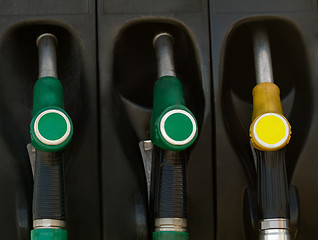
173 126
173 129
51 131
51 127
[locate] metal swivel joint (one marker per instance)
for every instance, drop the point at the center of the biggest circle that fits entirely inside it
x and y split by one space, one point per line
51 131
173 129
270 133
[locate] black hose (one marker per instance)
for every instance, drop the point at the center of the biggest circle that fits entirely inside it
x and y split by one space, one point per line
273 191
170 200
48 193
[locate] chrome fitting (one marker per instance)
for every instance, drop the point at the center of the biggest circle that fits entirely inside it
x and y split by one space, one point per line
49 223
275 223
275 229
171 224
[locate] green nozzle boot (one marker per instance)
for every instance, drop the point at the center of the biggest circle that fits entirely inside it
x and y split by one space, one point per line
173 126
51 127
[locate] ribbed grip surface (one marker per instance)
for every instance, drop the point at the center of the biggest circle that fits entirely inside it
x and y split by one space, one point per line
48 193
273 191
170 194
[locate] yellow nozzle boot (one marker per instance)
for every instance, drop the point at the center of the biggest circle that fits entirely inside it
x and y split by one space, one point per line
269 130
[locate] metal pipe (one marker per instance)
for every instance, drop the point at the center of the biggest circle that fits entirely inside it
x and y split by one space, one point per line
164 53
262 57
47 43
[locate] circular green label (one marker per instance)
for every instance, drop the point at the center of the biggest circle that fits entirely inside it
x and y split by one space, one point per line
178 126
52 126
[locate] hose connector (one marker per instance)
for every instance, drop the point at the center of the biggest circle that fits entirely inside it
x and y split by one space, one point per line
275 229
49 223
171 224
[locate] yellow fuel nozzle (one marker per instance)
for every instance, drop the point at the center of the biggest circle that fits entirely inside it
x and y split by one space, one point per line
269 130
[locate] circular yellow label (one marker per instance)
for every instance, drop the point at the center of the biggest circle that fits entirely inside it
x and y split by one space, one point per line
271 129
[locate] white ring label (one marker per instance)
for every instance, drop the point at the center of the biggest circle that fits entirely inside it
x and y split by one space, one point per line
164 133
274 145
45 140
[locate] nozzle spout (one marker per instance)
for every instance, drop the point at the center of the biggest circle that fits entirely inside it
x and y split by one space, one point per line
47 55
262 57
163 44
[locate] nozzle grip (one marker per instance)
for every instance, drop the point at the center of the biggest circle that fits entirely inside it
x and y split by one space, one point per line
170 199
273 187
48 196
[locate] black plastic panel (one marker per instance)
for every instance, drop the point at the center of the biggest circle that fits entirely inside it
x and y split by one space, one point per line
152 6
106 63
44 7
291 28
127 74
252 6
76 58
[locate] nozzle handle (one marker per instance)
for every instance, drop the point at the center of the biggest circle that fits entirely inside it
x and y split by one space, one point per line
170 198
273 191
48 193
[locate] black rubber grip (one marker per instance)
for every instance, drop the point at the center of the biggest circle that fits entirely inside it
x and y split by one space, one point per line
273 191
170 200
48 193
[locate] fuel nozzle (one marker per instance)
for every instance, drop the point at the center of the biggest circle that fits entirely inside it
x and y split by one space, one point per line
270 133
173 126
173 129
51 131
